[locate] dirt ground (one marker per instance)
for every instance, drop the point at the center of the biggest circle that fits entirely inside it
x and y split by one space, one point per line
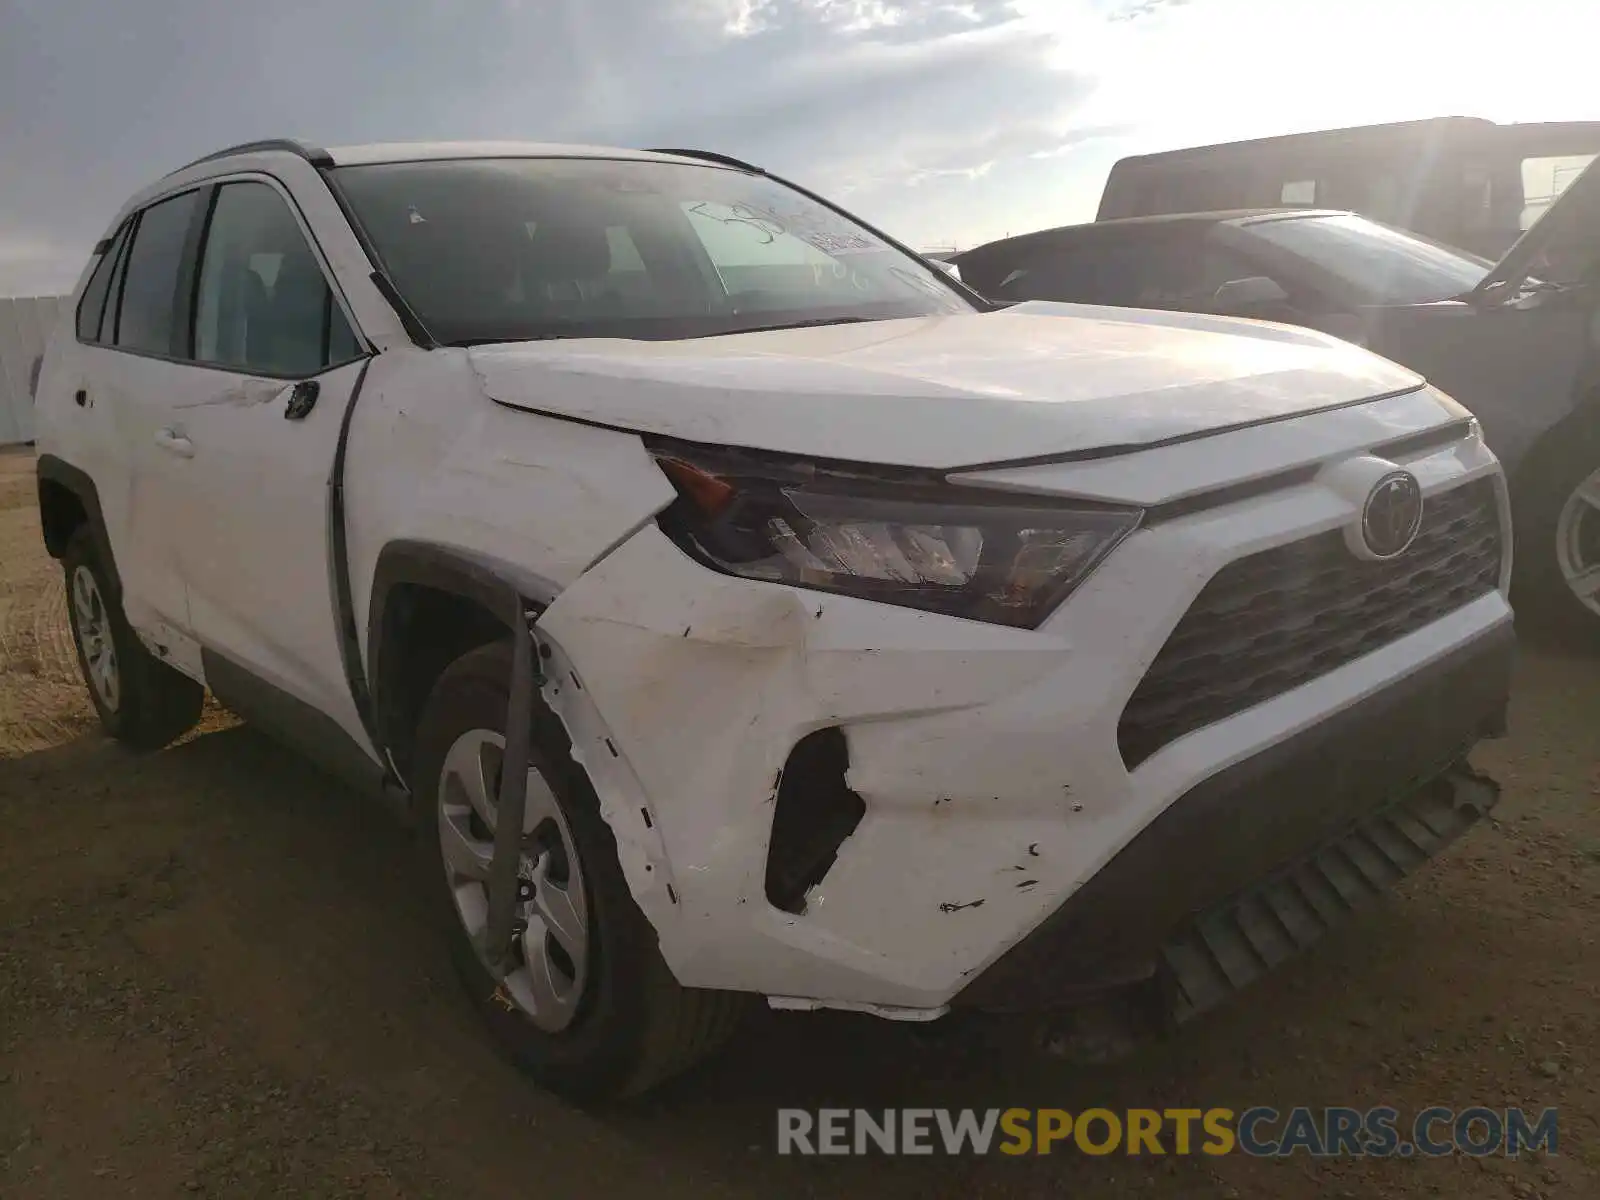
215 979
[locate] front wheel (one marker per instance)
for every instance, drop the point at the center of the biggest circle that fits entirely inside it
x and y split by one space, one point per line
591 1009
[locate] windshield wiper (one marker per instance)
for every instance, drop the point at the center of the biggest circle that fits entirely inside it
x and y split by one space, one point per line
806 324
468 343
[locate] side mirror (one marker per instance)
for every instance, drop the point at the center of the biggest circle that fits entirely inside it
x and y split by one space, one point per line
949 268
1253 294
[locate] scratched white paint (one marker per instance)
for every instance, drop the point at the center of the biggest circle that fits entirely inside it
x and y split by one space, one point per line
987 756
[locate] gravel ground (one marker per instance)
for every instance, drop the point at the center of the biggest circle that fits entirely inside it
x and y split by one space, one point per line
215 979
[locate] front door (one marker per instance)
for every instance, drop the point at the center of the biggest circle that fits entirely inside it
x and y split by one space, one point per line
276 363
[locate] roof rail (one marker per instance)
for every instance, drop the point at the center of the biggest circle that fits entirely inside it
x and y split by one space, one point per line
726 160
314 155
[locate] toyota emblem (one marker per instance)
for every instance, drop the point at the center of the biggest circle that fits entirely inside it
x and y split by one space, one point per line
1392 514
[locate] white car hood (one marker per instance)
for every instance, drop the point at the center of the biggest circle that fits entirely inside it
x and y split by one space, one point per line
1031 381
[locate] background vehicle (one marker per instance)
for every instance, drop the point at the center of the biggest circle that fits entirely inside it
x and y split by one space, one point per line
1516 348
744 607
1462 180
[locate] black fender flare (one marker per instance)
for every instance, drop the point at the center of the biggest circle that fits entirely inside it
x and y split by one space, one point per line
51 469
478 578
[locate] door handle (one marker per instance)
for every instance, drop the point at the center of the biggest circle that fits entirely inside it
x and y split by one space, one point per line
172 440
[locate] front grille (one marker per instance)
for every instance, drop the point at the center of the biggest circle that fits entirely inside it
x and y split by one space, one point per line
1283 617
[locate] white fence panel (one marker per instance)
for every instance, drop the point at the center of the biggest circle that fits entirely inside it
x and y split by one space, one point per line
26 325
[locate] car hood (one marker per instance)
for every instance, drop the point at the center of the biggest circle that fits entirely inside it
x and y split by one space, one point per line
1033 381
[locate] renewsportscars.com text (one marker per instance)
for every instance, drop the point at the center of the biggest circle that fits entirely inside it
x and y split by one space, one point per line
1260 1132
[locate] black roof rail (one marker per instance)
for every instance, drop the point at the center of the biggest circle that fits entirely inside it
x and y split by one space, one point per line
727 160
314 155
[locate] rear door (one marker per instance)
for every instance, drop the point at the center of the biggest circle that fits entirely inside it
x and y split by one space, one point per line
132 379
275 362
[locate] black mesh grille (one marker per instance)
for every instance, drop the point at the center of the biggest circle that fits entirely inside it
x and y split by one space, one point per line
1285 616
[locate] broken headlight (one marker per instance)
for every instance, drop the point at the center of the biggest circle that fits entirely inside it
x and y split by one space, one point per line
1004 559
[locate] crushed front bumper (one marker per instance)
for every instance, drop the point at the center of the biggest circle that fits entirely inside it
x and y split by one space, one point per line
1257 861
832 802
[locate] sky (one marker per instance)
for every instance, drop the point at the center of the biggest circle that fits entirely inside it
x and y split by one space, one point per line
947 122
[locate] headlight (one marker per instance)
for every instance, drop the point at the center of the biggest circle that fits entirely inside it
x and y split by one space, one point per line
929 545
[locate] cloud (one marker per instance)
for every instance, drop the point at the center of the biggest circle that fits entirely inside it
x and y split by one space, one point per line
859 96
940 119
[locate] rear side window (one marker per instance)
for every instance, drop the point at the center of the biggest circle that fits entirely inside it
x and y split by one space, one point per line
92 306
264 306
150 294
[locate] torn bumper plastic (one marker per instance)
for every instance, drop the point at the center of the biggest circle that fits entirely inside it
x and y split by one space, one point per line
1235 943
1256 862
995 807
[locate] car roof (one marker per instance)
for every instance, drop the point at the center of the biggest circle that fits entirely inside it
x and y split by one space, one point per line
1091 231
388 152
367 153
219 162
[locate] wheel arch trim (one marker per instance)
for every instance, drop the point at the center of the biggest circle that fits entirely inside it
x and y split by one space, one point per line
499 589
54 470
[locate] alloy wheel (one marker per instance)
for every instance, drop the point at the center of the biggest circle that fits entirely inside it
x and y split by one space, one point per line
1578 542
552 921
92 625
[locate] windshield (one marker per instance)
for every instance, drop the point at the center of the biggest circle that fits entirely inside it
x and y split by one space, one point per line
498 250
1384 265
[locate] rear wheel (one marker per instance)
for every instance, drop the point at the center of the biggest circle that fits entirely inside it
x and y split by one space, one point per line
140 700
1557 586
591 1009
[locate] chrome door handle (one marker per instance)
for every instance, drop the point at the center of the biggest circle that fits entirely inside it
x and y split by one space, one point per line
172 440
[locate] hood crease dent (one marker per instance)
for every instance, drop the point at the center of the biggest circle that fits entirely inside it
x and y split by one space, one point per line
1031 381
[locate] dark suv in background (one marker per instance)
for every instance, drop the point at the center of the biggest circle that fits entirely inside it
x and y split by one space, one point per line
1515 341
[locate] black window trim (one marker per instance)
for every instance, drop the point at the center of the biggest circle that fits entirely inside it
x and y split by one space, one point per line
185 300
102 248
119 276
135 220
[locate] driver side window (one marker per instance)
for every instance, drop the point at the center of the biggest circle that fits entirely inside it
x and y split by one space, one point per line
264 306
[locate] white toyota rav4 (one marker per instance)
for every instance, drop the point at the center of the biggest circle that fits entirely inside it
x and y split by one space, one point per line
821 632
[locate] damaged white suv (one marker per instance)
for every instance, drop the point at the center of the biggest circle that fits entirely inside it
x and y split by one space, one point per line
821 632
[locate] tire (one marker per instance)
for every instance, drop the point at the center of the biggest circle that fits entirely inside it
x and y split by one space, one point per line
624 1024
141 701
1546 515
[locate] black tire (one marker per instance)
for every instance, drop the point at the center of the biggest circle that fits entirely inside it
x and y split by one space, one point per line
1546 608
154 704
636 1026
